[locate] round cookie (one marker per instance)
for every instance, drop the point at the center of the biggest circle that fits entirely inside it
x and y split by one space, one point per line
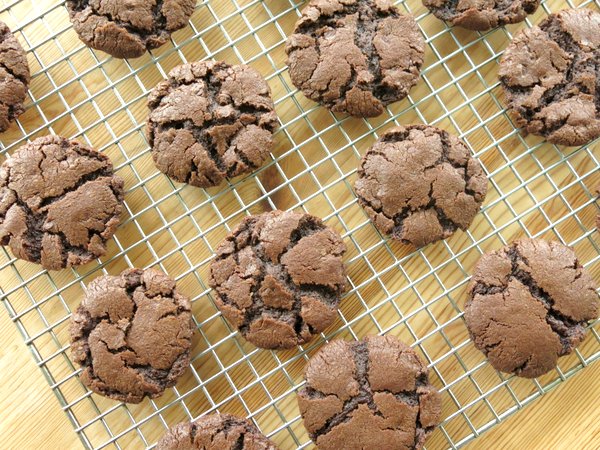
279 277
551 78
210 121
132 335
14 77
355 56
420 184
127 29
528 304
215 431
369 394
481 15
59 203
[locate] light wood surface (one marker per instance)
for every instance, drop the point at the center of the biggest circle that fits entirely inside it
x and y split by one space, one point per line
30 417
535 189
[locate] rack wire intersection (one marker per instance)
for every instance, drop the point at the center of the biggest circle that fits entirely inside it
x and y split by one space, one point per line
536 189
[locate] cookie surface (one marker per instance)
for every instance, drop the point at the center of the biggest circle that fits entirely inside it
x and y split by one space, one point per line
127 29
215 431
529 304
59 203
551 78
355 56
14 77
279 277
420 184
481 15
132 335
210 121
369 394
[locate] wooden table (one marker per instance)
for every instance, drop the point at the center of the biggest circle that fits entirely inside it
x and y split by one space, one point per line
30 416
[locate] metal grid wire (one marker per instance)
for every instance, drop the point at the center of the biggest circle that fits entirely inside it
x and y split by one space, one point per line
536 190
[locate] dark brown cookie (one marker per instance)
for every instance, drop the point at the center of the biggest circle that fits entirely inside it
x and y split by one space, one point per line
132 335
481 15
210 121
279 278
59 203
126 29
372 394
529 304
551 77
355 56
215 432
420 184
14 77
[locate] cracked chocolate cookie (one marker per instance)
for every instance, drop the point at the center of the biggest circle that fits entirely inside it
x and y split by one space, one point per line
59 203
210 121
369 394
127 29
132 335
279 277
481 15
420 184
14 77
215 431
551 77
355 56
528 304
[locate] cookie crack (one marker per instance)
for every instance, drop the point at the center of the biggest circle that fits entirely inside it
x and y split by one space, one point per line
568 88
565 327
243 115
193 431
83 180
149 373
360 354
80 6
19 77
306 227
367 21
366 28
447 224
33 231
365 396
239 443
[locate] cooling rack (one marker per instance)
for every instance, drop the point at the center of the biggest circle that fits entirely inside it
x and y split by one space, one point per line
535 189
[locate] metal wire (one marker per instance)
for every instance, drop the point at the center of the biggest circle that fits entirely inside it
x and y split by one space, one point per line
536 189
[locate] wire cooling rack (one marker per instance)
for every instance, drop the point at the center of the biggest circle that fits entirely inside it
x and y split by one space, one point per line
536 189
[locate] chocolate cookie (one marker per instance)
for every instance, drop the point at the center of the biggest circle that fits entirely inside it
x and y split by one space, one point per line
132 335
551 77
210 121
14 77
369 394
279 277
355 56
59 203
215 431
419 184
481 15
126 29
529 304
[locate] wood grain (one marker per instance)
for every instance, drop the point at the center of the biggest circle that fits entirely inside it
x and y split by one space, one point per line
30 417
535 189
